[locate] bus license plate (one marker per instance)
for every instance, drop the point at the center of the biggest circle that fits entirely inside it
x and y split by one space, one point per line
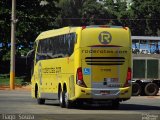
104 92
111 80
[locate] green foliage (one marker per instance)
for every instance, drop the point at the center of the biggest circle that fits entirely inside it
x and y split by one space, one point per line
146 17
94 13
5 14
116 9
6 56
4 80
81 12
35 16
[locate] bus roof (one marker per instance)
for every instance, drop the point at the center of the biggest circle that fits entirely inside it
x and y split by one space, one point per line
65 30
56 32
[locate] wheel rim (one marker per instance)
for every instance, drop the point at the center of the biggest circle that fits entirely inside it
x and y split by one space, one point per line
37 94
66 97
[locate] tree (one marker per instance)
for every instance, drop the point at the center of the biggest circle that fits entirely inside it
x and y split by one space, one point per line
70 13
118 11
144 17
5 15
81 12
40 15
94 13
33 17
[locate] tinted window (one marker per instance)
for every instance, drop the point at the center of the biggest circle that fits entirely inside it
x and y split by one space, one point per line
56 47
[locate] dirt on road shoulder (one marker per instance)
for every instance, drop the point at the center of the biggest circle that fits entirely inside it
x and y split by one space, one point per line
17 87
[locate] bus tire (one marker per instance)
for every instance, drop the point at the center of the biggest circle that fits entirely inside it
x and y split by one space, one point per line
61 99
40 101
151 89
136 89
68 103
79 103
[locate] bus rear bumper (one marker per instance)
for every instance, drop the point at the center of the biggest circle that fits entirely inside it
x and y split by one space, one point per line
103 94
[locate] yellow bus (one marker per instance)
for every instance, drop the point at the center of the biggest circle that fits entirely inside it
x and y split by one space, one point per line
88 64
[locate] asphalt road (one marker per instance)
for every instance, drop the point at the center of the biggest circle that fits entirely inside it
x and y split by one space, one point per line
18 105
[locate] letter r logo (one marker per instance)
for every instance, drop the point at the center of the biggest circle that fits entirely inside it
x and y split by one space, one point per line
105 37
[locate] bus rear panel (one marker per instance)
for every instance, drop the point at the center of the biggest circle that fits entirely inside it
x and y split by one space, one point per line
105 64
89 63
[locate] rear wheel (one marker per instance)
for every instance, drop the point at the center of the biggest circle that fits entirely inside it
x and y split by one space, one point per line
79 103
151 89
136 89
68 103
39 100
62 98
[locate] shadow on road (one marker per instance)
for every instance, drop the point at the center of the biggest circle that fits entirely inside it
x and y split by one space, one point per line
138 107
107 107
52 104
122 107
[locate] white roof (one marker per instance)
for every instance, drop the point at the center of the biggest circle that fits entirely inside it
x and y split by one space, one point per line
145 38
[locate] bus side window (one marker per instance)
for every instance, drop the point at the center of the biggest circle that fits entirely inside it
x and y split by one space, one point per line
72 42
56 47
39 51
74 38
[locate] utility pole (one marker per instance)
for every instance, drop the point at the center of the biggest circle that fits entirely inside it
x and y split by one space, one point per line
13 42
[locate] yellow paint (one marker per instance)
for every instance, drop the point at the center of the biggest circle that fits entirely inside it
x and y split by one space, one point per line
48 74
12 76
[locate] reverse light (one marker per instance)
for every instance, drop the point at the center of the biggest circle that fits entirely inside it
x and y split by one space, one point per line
79 80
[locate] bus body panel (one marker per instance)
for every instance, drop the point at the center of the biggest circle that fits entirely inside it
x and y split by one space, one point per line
102 74
104 54
105 66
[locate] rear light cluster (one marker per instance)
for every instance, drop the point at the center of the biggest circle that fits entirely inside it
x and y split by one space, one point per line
103 26
128 78
79 80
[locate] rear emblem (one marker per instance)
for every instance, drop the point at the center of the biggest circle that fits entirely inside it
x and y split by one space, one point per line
105 37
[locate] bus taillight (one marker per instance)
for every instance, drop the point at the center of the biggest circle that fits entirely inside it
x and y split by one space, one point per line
128 78
80 81
84 27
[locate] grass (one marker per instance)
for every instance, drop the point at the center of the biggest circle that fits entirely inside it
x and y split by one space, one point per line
5 80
